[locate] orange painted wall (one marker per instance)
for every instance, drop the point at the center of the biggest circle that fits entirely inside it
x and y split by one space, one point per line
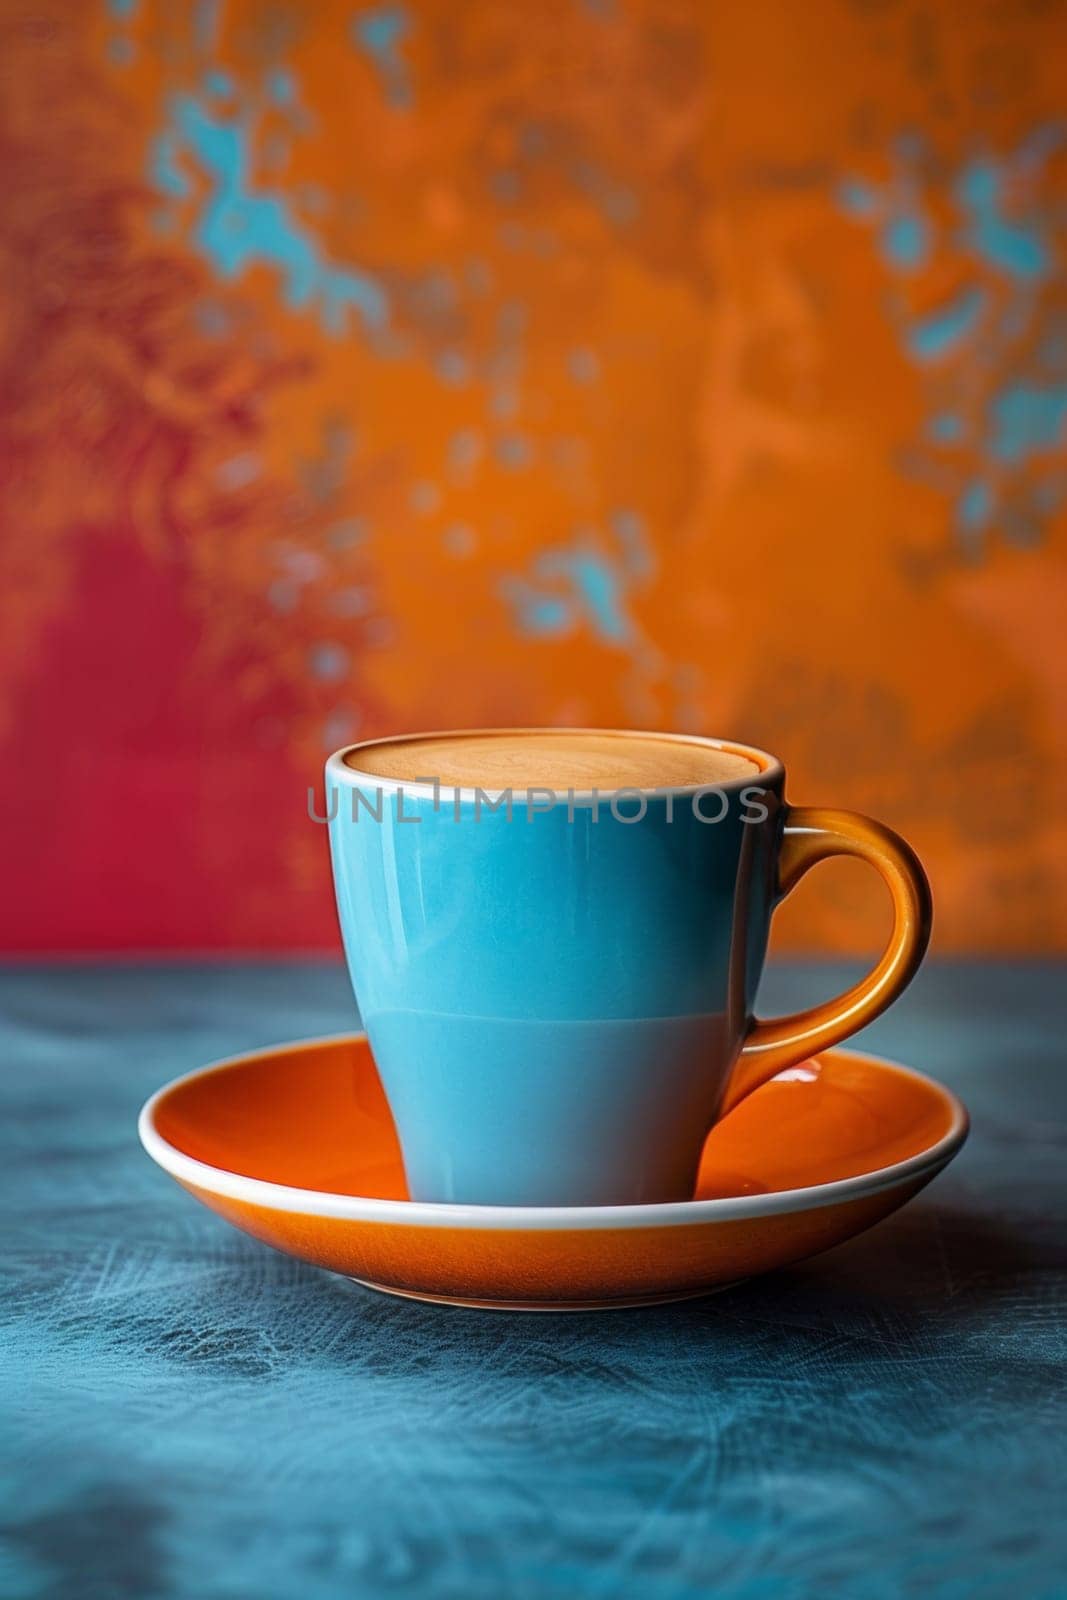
642 362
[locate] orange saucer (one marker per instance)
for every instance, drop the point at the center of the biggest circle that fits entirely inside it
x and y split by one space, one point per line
295 1145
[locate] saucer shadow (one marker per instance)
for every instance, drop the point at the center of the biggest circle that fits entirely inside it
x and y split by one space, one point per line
931 1262
929 1268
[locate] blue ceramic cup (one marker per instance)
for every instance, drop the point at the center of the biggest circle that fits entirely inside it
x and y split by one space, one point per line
560 997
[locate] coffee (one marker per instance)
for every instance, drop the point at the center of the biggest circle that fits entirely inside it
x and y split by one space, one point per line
542 758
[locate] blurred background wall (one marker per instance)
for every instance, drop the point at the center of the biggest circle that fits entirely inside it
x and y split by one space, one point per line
694 364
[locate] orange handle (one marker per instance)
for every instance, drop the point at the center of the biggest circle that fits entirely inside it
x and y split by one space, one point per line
812 833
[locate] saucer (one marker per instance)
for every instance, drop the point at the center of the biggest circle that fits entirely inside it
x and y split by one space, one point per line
295 1145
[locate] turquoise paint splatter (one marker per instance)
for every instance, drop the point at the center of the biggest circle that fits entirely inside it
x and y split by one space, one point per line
598 590
544 617
120 48
379 34
945 428
905 241
857 199
975 506
1003 240
937 335
1027 419
904 232
239 226
281 86
1017 248
328 660
165 168
584 584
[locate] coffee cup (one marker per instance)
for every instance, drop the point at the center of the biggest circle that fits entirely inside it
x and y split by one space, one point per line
556 937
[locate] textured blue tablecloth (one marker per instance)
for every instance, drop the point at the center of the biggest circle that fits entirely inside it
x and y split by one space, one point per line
187 1414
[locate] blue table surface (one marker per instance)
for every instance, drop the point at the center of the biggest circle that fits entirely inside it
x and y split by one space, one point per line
187 1413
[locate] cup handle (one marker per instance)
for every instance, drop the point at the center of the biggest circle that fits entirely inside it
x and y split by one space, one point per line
810 834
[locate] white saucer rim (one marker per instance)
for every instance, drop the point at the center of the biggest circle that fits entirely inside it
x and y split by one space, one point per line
415 1213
